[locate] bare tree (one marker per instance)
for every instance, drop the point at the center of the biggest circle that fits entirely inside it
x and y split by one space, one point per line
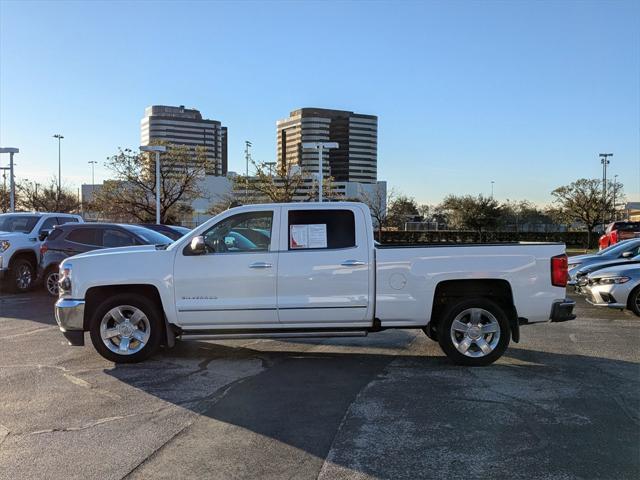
283 185
378 202
131 195
46 198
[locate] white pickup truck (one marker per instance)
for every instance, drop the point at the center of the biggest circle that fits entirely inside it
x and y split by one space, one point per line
308 270
21 235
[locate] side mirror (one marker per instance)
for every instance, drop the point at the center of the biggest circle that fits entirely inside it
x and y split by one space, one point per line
627 255
43 235
197 245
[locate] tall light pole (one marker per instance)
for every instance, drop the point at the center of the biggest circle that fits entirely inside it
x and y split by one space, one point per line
604 160
59 137
12 183
319 146
492 182
247 156
158 149
615 193
93 176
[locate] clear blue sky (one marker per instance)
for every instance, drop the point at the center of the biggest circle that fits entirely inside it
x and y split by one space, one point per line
523 93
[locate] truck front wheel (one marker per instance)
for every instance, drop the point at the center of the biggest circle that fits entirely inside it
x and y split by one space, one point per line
21 275
126 328
474 332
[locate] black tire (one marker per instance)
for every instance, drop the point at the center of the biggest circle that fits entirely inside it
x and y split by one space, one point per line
152 313
633 303
21 275
500 344
50 281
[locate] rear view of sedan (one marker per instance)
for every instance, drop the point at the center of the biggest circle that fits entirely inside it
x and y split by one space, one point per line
615 287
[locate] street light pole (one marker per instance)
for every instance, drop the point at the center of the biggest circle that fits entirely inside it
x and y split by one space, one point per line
158 149
604 160
12 183
615 193
492 182
59 137
93 176
319 146
247 156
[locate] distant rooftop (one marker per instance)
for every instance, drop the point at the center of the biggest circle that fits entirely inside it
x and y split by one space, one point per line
327 112
169 111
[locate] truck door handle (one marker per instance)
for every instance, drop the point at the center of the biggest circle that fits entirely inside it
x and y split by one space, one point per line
352 263
260 265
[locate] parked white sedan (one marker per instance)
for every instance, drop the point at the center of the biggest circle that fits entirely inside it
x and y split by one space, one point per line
614 287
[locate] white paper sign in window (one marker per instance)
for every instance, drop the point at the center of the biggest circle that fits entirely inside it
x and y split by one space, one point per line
308 236
299 236
318 235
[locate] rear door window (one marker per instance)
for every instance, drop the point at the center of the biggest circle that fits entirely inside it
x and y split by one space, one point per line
629 227
308 229
116 238
63 220
86 236
49 223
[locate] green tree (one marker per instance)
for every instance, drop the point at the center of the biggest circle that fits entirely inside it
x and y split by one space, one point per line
131 194
475 213
582 201
401 210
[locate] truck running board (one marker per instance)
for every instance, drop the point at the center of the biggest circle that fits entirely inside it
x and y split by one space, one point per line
185 335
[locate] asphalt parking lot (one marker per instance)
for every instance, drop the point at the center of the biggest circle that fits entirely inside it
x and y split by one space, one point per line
562 404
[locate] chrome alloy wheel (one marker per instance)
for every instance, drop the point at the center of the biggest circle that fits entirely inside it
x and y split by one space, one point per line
475 332
51 283
125 330
23 277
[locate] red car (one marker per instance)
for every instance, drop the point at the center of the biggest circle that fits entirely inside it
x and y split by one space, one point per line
618 231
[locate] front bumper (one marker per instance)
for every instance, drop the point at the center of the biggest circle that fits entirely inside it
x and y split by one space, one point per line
562 310
70 318
609 296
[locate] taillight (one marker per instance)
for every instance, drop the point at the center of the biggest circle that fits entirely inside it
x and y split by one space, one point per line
43 249
559 270
614 237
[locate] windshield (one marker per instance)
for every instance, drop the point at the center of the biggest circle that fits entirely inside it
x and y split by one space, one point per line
149 236
18 223
619 248
182 230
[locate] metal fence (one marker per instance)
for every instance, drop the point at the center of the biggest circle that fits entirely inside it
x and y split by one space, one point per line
571 239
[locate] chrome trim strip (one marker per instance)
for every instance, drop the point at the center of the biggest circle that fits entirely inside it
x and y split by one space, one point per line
205 309
229 336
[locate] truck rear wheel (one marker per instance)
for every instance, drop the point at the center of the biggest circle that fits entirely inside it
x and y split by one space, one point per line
126 328
474 332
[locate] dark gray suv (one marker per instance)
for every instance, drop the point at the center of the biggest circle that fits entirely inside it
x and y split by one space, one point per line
72 239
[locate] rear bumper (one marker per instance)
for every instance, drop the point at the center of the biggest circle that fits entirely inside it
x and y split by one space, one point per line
562 310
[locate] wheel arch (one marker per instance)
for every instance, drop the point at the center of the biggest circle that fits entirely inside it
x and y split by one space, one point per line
495 289
24 253
95 295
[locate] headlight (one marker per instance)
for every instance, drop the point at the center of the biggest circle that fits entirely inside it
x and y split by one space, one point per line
4 245
610 280
64 284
